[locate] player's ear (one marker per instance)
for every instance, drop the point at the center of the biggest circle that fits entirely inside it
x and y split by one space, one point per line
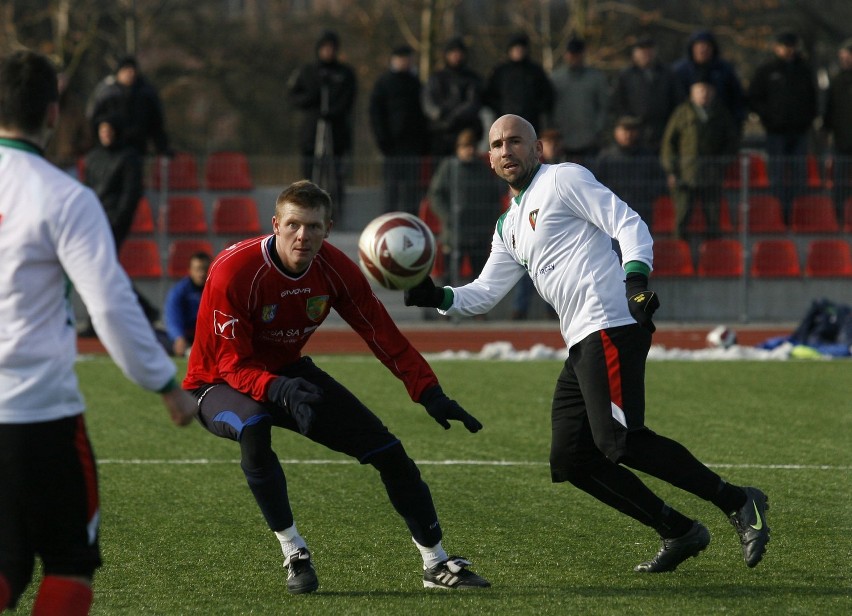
328 226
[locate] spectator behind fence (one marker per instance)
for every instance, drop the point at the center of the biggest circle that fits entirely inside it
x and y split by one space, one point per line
73 135
783 93
129 95
325 91
630 169
838 123
580 105
704 56
113 170
646 90
700 140
182 301
452 99
55 235
519 85
465 194
401 130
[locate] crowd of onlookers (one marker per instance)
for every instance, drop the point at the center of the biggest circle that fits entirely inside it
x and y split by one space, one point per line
654 128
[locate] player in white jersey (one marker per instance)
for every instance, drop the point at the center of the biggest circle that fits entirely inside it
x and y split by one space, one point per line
559 231
54 234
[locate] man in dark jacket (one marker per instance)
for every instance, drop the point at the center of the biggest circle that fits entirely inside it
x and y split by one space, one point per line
703 56
130 97
452 99
647 91
325 92
519 85
401 130
113 169
838 123
783 93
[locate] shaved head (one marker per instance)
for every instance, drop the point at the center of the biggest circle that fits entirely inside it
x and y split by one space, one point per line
514 150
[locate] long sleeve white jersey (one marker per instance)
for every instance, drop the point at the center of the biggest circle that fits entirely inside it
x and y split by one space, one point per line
558 231
54 234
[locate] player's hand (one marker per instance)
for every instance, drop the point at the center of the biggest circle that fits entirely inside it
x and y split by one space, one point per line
641 302
181 406
425 295
296 395
442 409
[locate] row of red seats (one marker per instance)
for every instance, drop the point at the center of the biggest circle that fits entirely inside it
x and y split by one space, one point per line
770 258
186 215
809 214
222 171
140 257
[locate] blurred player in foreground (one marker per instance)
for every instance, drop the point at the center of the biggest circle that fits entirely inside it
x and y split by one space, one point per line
54 234
559 231
263 300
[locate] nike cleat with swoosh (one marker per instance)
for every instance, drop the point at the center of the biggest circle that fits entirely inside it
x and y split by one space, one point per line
750 523
675 551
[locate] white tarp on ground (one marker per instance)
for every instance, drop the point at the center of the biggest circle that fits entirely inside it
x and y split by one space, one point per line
505 351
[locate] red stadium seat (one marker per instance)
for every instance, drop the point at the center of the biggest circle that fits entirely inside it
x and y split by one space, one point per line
672 258
758 173
184 215
765 214
140 258
775 259
228 171
428 215
814 214
143 219
182 172
663 215
179 253
828 259
814 177
720 258
235 216
847 215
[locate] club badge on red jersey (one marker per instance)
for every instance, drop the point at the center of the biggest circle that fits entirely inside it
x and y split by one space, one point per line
316 306
268 312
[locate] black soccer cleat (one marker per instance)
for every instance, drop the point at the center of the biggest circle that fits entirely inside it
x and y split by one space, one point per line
675 551
750 524
453 573
301 577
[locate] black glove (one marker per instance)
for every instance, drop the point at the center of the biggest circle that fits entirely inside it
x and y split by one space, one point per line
641 302
441 408
425 295
296 395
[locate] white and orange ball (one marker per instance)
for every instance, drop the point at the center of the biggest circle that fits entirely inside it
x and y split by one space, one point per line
397 250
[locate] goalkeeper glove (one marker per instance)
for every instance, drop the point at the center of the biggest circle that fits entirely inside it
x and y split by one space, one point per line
641 302
425 294
296 395
441 409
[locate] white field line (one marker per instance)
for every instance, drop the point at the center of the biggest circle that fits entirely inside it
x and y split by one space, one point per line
202 461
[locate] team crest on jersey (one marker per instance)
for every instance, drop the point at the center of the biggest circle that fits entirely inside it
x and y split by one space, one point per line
268 312
533 216
316 306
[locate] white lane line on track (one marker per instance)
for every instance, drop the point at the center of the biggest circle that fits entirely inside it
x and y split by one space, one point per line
141 461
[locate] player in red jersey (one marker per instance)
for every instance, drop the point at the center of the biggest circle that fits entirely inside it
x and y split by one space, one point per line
263 299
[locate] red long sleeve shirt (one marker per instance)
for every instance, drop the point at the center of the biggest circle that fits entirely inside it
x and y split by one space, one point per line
255 318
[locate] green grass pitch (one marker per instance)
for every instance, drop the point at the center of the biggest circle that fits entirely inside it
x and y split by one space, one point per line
181 534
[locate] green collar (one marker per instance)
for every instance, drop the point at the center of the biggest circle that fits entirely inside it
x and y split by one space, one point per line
22 144
517 198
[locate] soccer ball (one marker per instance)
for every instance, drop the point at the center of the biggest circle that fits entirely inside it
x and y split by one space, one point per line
721 337
396 250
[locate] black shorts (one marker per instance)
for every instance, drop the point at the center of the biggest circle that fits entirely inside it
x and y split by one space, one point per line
341 422
48 499
599 397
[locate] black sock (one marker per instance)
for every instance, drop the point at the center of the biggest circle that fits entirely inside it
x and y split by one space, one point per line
729 498
674 524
